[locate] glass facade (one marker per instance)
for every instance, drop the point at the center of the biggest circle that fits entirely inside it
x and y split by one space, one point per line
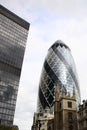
59 68
13 38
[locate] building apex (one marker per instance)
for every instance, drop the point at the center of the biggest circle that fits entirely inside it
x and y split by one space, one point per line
15 18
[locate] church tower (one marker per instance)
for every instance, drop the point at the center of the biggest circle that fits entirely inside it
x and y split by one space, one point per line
65 112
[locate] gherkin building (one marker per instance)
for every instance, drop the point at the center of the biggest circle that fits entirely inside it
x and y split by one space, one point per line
59 68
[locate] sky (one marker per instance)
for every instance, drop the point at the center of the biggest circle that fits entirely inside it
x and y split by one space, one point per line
50 20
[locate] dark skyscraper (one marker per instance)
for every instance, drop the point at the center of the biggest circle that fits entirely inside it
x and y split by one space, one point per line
59 68
13 37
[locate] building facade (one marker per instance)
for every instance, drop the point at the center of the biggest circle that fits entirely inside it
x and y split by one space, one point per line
65 114
42 121
13 37
82 116
65 111
59 68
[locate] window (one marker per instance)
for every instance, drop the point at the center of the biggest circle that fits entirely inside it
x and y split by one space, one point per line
69 115
60 105
86 122
70 104
60 115
0 121
86 112
86 104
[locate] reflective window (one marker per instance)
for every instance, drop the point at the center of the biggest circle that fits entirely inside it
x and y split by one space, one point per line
12 46
59 68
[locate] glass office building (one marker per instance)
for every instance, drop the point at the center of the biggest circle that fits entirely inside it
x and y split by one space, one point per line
59 68
13 37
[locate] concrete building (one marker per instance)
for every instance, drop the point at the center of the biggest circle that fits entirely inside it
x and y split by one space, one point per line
82 116
59 68
13 37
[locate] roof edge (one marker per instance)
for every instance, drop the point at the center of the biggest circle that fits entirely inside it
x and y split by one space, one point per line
4 11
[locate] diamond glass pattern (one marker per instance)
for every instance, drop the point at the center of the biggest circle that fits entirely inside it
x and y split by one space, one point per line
59 68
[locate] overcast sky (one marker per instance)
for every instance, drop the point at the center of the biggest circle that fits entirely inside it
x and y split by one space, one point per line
49 20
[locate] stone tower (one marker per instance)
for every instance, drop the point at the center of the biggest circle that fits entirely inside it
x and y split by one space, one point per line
65 112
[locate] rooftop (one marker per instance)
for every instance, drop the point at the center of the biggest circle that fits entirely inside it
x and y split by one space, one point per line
59 43
4 11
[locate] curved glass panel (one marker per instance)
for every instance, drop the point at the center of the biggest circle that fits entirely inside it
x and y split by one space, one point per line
59 68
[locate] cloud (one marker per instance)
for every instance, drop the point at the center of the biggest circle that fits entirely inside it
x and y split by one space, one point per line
69 8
